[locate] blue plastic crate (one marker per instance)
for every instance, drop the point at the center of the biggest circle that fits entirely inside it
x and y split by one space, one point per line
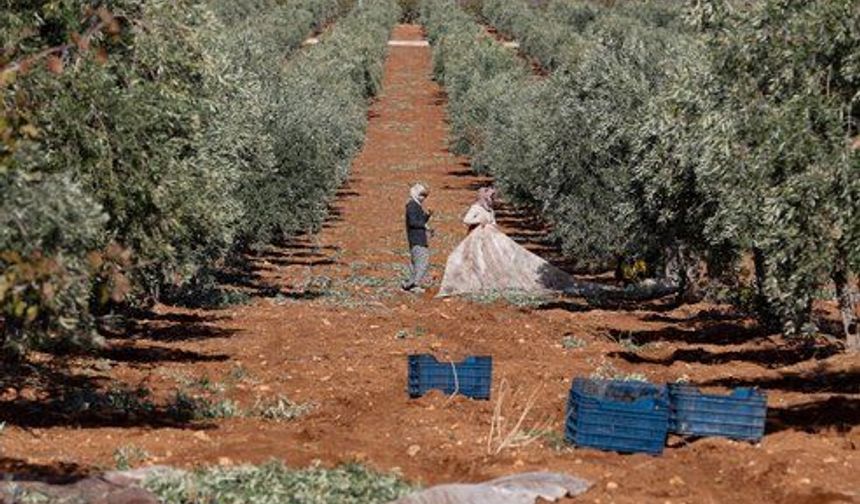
627 417
739 415
472 377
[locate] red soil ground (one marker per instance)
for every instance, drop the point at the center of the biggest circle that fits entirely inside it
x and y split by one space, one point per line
345 352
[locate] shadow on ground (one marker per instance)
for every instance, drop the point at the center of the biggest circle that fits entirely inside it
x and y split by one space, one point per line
809 382
719 333
49 395
838 413
55 473
766 357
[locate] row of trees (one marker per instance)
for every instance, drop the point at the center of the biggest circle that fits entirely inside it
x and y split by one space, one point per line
716 142
143 143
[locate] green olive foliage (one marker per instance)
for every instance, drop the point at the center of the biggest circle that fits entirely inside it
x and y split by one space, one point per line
119 120
474 69
692 136
542 35
153 138
785 76
301 138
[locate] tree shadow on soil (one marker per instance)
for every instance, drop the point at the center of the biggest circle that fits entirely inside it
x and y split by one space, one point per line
464 173
720 333
766 357
810 382
837 413
230 285
299 246
48 395
335 207
153 354
566 305
57 473
698 317
171 327
579 304
304 243
334 213
187 318
296 252
185 332
292 261
473 187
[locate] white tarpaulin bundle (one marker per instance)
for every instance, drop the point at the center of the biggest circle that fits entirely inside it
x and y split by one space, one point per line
523 488
489 260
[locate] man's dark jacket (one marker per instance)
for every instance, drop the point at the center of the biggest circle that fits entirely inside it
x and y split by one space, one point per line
416 224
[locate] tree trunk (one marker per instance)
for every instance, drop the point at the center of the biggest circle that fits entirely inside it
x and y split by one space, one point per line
847 297
760 275
682 270
764 310
692 292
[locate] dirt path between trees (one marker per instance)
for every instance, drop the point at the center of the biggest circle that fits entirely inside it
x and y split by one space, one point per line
331 328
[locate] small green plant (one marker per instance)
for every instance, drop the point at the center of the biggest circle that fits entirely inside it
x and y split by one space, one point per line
224 408
116 401
629 344
402 269
551 439
484 297
199 383
274 482
281 409
524 300
127 456
365 281
185 407
237 374
516 298
25 496
354 291
571 342
407 334
318 283
607 371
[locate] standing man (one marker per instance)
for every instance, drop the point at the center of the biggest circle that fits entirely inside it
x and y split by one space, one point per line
417 233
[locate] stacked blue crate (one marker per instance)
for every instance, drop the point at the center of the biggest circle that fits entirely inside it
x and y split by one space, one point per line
471 377
739 415
628 417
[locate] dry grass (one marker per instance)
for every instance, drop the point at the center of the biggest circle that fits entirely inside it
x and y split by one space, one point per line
508 406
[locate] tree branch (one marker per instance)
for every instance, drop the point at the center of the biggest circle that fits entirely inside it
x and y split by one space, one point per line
29 60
